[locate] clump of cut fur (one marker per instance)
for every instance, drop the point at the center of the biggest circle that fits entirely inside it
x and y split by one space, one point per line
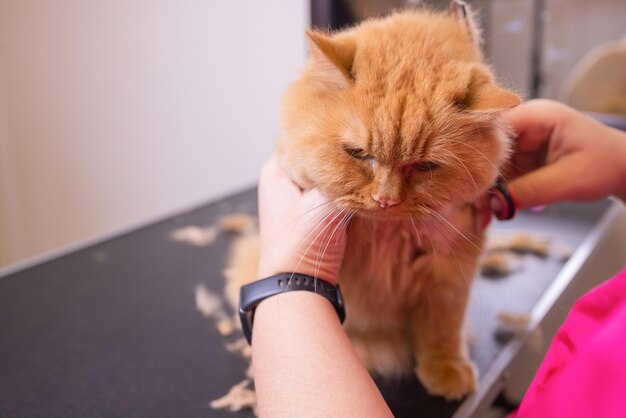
397 120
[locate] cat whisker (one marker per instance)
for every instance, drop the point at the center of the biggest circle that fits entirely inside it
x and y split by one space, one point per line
450 247
417 234
459 232
466 169
433 246
316 237
315 228
312 231
319 223
478 151
320 257
342 224
310 211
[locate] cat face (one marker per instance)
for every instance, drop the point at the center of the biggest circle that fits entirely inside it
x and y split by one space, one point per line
396 117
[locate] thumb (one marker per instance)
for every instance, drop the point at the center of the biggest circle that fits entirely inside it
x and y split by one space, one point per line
542 186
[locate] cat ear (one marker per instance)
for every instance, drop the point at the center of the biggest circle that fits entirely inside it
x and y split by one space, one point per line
332 59
485 95
465 15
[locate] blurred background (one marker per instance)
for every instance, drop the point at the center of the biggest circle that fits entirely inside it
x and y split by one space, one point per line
117 113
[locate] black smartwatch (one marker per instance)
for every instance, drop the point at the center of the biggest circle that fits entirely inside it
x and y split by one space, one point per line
253 293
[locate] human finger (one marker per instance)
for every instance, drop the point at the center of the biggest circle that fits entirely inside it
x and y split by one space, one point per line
548 184
534 124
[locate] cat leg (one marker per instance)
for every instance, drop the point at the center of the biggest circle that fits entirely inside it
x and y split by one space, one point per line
383 352
443 366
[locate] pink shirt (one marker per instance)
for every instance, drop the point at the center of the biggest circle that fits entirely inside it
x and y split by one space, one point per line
584 372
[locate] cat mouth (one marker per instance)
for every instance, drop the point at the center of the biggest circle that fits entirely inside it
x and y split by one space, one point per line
402 211
394 212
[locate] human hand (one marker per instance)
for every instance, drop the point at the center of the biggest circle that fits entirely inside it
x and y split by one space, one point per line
561 154
301 231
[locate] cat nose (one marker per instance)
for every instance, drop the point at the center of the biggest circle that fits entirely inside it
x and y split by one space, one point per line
386 201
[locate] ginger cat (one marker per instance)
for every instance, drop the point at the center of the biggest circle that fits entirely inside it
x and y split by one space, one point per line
398 121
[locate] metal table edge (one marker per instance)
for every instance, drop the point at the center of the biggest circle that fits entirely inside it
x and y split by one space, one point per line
494 381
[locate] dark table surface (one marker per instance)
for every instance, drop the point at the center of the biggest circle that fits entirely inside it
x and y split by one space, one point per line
112 330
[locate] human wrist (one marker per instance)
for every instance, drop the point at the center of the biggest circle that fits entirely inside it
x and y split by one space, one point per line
268 268
296 304
332 279
273 288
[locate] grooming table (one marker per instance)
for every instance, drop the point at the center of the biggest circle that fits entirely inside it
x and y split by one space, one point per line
111 329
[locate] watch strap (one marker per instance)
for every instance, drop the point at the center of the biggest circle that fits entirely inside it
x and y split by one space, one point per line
254 293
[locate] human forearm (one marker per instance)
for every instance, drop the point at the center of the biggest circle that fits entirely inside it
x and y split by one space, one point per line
304 364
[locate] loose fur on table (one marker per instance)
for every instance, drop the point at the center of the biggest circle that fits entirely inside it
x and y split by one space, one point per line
398 122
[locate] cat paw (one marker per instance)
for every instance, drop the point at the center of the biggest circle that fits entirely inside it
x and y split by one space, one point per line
450 378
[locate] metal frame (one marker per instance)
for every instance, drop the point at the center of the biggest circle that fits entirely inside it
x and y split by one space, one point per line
495 380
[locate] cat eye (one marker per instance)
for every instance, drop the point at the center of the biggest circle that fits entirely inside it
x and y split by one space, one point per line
462 102
425 166
358 153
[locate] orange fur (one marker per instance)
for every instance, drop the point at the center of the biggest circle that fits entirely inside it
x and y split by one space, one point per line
402 109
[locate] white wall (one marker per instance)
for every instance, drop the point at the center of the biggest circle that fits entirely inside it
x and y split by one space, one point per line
119 111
